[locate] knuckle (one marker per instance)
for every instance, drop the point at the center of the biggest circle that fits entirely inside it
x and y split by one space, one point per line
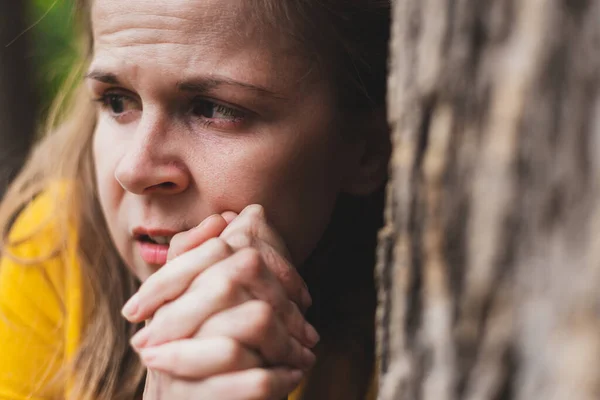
282 353
293 349
152 285
263 316
219 247
277 263
156 286
260 385
161 316
251 261
251 218
231 350
294 320
293 313
239 240
173 359
288 350
225 288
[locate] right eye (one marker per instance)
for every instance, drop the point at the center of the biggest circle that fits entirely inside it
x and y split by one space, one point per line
118 105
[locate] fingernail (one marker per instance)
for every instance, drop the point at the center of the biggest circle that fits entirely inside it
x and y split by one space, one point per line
229 216
141 338
203 223
308 358
311 335
131 307
306 299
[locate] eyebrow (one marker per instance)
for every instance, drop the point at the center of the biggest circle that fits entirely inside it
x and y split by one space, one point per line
201 85
105 77
205 85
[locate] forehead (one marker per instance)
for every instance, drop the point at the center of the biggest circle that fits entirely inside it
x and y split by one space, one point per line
196 36
169 20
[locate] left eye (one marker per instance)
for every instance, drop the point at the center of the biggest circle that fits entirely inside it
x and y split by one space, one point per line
211 110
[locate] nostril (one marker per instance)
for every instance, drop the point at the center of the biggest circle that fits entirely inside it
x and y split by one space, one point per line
167 185
162 187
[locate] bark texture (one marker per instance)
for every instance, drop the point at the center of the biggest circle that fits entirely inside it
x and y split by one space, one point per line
489 262
17 100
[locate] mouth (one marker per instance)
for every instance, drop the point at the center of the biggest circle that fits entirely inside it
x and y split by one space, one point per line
153 244
154 239
154 236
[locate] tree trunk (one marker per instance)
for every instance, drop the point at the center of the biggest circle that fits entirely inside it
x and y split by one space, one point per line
489 263
17 105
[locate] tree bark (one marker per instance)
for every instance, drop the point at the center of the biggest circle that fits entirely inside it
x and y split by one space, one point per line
17 100
489 262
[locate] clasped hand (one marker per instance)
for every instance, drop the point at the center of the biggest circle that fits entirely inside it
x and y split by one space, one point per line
225 314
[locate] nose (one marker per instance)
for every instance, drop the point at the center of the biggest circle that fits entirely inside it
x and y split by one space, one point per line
152 161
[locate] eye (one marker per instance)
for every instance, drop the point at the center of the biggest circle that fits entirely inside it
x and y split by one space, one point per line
211 113
118 104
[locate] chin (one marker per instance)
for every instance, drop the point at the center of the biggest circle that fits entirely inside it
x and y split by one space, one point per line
140 269
145 271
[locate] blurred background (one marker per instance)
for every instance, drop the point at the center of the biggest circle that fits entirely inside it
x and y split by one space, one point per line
37 50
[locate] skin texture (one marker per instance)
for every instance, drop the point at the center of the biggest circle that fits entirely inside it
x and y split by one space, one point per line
221 318
198 119
161 163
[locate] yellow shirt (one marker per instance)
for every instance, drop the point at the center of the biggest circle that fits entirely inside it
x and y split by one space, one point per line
40 311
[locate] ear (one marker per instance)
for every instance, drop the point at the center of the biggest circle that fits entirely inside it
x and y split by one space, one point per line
371 165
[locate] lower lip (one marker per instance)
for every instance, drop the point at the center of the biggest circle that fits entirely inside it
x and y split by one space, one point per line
153 253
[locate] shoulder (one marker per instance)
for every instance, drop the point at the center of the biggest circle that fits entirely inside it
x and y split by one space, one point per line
41 225
38 256
38 261
38 278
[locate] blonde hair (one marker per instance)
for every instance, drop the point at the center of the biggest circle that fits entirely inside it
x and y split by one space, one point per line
105 367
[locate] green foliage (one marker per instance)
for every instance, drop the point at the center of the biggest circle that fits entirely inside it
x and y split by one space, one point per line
54 50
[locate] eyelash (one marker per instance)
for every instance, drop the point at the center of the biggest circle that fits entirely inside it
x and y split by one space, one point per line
105 99
231 115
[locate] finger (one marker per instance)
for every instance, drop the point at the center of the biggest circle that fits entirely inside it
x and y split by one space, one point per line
252 221
251 384
173 279
211 227
250 229
254 324
182 317
289 277
229 216
248 269
200 358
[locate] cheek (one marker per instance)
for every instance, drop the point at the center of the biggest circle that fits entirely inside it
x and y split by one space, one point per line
105 160
110 192
297 181
107 151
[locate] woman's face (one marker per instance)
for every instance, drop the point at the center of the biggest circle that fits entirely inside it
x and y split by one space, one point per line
202 111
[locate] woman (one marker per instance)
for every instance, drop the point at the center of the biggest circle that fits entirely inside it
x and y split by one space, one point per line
232 150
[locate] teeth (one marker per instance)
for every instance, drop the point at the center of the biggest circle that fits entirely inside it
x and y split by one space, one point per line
161 239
